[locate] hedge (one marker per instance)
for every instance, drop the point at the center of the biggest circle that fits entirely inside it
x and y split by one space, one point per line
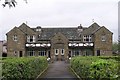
95 68
23 68
117 58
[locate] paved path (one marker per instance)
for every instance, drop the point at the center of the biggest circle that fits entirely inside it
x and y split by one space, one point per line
58 69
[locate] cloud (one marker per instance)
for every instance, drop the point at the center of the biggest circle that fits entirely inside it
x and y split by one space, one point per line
60 13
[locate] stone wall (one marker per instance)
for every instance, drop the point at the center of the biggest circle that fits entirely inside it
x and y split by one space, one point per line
105 47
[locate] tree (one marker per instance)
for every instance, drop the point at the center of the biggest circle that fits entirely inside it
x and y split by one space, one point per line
10 3
115 47
119 47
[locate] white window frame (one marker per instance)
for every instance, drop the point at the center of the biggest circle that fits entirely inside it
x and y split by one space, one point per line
103 38
62 51
28 38
39 36
89 37
15 38
56 51
31 37
38 29
15 53
29 53
42 53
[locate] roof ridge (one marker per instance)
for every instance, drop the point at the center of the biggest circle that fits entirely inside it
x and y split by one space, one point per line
25 26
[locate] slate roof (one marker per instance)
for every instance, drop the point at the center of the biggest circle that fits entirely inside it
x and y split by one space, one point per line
26 29
69 33
91 29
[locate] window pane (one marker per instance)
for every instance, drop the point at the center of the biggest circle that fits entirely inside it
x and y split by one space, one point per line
103 38
62 51
56 51
15 37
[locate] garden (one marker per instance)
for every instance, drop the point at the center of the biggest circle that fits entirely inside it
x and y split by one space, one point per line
86 67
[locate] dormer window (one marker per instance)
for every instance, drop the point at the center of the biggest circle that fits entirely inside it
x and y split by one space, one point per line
87 38
80 28
15 38
31 38
38 29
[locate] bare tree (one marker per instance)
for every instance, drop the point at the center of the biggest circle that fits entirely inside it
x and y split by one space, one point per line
10 3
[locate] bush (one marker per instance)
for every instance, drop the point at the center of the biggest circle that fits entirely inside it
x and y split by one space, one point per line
103 69
117 58
95 67
23 68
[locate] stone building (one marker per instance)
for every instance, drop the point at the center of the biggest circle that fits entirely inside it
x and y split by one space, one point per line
59 43
3 48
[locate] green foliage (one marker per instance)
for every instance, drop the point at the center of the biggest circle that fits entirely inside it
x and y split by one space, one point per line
95 67
117 58
115 46
103 69
23 68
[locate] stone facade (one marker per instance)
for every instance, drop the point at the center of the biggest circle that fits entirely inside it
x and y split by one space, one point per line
59 43
3 48
105 45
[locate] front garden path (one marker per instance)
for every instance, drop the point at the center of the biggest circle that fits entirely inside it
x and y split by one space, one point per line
59 69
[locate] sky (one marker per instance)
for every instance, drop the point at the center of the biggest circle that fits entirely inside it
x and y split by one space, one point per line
60 13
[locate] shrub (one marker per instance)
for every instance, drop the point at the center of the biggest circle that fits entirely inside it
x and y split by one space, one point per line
103 69
117 58
95 68
23 68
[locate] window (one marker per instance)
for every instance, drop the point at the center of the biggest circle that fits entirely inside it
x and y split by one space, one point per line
70 54
103 38
39 36
42 53
56 51
90 40
15 53
31 38
62 51
38 29
80 30
87 38
80 35
15 37
31 53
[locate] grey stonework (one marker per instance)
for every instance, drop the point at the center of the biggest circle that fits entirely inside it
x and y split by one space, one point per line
67 42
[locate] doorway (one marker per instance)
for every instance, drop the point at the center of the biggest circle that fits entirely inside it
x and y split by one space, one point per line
20 54
98 52
59 54
49 55
4 54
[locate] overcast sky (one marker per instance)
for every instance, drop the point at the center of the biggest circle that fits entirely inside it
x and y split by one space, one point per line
56 13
